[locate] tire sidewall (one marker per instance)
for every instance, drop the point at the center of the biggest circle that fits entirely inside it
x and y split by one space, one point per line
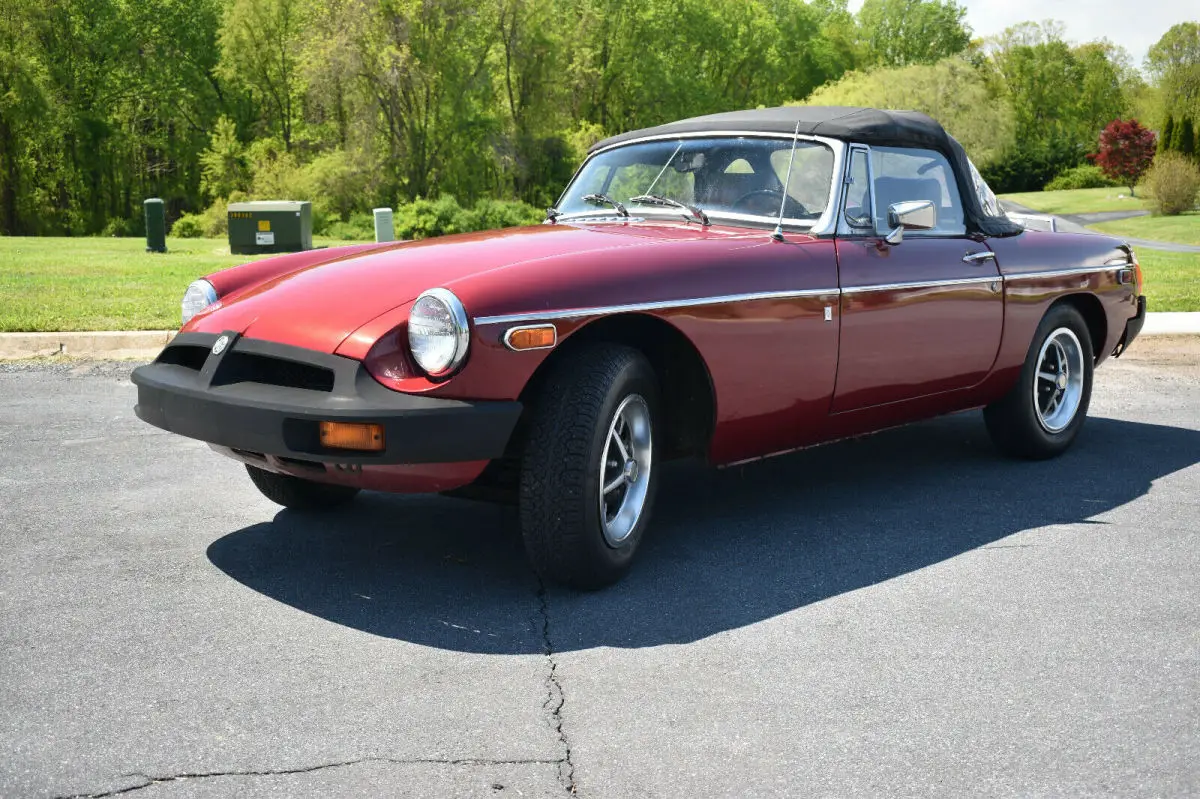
637 377
1062 316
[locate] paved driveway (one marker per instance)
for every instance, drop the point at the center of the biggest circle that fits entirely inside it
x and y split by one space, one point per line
906 614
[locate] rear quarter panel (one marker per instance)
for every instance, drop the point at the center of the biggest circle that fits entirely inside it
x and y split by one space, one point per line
1040 268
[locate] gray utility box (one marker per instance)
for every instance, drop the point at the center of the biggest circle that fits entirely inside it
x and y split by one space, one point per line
270 226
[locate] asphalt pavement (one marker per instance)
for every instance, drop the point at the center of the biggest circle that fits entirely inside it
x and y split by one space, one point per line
906 614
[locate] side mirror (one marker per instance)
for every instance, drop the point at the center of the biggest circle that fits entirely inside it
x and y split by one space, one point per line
912 215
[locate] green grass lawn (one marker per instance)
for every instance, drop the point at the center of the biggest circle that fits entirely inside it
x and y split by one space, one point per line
1078 201
1183 229
102 284
1172 280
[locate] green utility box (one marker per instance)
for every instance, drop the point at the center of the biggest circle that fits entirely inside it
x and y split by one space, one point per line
270 226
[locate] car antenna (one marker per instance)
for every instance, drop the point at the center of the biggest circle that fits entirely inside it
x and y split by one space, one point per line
778 234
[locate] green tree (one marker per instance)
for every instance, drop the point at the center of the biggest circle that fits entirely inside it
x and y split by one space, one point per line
951 91
1166 139
897 33
25 107
1173 63
223 165
1187 138
260 45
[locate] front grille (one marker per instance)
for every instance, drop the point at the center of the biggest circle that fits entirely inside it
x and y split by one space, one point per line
245 367
189 356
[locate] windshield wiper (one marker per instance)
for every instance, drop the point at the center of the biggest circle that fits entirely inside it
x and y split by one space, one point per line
656 199
604 199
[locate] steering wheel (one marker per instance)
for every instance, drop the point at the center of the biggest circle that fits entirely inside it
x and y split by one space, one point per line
774 194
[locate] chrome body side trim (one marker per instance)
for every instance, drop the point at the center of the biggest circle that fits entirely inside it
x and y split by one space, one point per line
577 313
1084 270
918 284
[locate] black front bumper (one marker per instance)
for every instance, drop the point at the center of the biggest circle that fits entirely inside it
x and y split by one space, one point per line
269 399
1132 328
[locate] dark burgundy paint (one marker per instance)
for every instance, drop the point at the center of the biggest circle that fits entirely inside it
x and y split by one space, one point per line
778 380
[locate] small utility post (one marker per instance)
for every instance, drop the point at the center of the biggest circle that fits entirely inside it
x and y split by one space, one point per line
384 229
156 225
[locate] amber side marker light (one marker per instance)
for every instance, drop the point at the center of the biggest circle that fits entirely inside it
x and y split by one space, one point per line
533 337
344 435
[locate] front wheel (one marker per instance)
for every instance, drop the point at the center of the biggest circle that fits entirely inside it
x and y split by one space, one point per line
299 494
1040 417
589 469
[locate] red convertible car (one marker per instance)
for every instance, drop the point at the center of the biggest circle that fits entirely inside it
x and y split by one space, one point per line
731 286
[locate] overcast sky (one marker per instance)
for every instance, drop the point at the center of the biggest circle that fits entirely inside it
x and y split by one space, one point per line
1133 24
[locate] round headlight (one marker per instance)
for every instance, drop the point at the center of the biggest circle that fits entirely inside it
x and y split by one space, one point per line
438 334
198 296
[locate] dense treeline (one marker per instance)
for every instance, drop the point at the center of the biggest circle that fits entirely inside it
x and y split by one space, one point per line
358 103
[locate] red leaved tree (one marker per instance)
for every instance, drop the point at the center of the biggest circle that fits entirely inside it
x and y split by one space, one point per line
1126 151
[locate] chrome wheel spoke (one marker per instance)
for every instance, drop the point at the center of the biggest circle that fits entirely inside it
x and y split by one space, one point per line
1058 387
620 446
615 484
625 470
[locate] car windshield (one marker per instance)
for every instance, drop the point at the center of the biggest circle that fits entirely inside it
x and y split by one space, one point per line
740 179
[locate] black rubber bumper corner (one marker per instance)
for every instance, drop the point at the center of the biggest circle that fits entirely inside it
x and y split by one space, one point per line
219 399
1132 328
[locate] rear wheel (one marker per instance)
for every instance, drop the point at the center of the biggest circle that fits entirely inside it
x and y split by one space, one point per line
297 493
1040 417
588 472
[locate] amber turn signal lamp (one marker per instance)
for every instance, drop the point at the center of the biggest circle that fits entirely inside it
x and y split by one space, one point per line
344 435
535 337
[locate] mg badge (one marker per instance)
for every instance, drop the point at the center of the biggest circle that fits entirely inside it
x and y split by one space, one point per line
220 344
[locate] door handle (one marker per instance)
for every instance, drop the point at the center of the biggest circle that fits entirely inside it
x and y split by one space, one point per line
979 257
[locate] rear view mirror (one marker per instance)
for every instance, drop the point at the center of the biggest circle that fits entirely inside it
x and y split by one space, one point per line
912 215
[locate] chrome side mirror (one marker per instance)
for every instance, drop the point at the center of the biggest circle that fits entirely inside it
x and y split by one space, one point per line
912 215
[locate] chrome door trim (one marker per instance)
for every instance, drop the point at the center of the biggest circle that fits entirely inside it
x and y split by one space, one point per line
919 284
1083 270
604 310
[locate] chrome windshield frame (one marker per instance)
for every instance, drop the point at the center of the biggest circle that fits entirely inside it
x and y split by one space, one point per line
825 225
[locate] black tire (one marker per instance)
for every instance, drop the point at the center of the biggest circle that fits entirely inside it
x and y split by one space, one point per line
297 493
568 427
1014 423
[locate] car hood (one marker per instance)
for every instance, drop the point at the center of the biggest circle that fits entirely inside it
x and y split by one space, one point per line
319 305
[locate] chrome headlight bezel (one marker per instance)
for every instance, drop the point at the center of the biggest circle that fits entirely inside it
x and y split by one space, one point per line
461 332
199 295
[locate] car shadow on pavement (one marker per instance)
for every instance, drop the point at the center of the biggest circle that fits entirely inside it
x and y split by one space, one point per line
728 548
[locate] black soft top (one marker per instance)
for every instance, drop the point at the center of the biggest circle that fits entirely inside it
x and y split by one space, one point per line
872 126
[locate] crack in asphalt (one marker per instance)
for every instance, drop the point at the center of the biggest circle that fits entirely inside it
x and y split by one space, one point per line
555 698
151 780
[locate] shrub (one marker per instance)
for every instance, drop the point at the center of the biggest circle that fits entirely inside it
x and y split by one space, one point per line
1030 168
1174 182
188 226
494 214
360 227
1086 176
212 223
424 219
215 220
120 228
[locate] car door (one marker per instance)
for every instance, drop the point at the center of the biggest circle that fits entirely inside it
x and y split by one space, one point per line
920 317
